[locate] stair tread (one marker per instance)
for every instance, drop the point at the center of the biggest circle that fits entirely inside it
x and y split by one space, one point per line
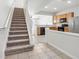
19 27
15 35
15 41
18 18
18 24
18 21
18 47
20 31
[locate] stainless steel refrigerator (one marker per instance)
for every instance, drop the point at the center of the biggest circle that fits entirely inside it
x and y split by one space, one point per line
74 24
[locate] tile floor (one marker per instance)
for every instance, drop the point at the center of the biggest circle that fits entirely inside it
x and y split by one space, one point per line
40 52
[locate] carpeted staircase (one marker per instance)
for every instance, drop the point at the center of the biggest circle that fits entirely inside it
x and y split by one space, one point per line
18 40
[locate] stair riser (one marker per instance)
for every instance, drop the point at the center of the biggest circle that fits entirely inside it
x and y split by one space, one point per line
18 29
18 18
18 23
18 38
12 52
18 15
17 43
17 33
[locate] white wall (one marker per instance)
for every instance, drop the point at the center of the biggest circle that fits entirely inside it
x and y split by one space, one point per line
65 42
4 11
19 3
5 16
45 20
3 40
28 21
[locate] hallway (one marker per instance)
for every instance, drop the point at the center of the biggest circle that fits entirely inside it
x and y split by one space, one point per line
41 51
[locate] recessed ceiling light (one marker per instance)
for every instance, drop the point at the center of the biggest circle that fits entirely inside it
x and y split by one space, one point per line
55 8
68 2
45 7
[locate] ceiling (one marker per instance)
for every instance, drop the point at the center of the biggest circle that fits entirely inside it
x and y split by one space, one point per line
50 7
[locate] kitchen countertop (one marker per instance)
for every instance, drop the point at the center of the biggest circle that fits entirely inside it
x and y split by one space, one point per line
45 26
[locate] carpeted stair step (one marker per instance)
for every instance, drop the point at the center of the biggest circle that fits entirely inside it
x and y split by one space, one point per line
18 32
18 49
18 25
12 43
18 22
18 28
18 17
18 37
